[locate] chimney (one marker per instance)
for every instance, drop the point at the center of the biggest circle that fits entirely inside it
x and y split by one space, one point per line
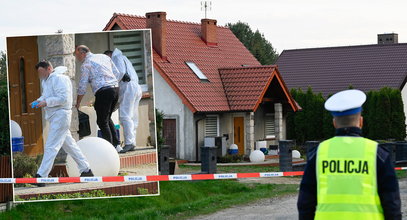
391 38
158 23
208 30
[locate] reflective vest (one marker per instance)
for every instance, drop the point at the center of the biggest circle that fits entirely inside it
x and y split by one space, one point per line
346 179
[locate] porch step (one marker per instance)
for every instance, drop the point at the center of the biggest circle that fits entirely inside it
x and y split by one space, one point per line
138 157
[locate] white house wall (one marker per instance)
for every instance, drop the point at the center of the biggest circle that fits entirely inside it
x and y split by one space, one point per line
167 101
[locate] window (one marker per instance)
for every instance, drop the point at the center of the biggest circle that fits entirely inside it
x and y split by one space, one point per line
131 43
269 126
22 86
212 126
197 71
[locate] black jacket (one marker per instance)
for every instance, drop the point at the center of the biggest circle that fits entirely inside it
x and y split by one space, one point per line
388 187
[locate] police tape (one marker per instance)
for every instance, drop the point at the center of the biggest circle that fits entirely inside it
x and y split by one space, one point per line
153 178
150 178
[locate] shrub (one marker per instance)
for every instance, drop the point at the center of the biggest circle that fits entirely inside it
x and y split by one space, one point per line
159 119
24 165
231 158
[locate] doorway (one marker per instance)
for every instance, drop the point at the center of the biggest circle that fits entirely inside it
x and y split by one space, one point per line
25 88
170 135
238 133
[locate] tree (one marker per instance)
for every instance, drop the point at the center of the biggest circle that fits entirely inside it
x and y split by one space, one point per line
4 118
398 117
290 123
255 42
300 118
3 70
328 129
383 114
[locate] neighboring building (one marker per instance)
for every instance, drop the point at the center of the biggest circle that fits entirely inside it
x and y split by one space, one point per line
208 84
332 69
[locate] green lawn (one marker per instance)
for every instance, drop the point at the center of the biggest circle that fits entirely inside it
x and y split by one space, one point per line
235 169
401 174
177 200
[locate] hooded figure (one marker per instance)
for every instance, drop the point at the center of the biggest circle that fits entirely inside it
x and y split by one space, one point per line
129 98
56 100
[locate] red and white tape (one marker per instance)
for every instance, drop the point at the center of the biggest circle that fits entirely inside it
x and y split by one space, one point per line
183 177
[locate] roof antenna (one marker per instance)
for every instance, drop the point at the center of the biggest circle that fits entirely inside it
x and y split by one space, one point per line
206 6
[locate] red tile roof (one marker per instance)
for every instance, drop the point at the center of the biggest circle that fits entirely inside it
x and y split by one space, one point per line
184 43
246 87
332 69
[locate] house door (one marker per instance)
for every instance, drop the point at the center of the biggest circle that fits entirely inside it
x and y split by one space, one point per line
25 88
170 135
238 133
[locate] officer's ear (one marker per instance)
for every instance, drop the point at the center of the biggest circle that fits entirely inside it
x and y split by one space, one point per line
361 122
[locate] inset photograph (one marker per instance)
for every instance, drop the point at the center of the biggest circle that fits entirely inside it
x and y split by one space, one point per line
81 105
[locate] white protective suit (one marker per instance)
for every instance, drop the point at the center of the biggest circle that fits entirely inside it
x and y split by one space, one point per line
129 97
57 92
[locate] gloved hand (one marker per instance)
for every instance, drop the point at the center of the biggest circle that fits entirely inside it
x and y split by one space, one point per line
126 78
34 104
37 104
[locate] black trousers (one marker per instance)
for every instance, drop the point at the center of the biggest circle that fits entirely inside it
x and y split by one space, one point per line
105 101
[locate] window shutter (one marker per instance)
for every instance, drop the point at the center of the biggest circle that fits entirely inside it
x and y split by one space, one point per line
131 44
211 126
270 131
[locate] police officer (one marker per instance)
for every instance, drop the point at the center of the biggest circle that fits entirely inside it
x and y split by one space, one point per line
348 176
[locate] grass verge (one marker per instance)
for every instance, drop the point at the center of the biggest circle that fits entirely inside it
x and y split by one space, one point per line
177 200
401 174
235 169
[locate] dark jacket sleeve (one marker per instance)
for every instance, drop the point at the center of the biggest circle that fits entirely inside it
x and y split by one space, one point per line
387 184
307 198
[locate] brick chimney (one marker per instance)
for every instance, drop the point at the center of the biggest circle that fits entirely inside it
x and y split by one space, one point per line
391 38
208 30
158 23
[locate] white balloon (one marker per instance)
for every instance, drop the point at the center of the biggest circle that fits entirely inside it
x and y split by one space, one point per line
233 146
15 129
296 154
102 157
257 156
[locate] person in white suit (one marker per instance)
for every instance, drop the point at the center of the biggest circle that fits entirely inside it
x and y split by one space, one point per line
130 94
56 100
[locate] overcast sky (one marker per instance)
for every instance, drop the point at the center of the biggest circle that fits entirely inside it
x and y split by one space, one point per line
287 24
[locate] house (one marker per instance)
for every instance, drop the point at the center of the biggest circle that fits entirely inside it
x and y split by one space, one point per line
332 69
209 85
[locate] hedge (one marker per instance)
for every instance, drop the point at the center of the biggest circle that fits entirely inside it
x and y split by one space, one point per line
383 114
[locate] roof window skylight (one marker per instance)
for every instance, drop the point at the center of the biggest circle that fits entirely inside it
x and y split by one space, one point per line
196 70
